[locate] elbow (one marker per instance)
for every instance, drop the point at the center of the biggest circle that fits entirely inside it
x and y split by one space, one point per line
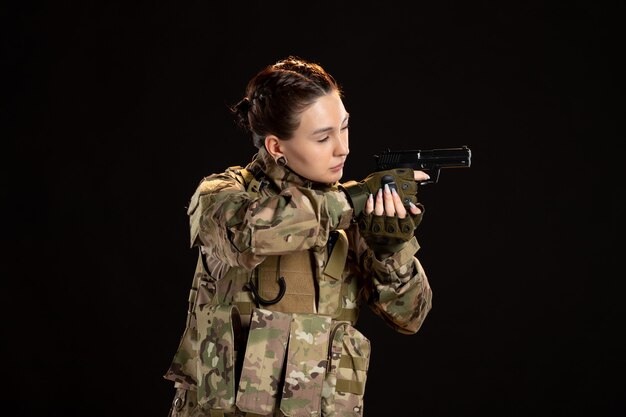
417 317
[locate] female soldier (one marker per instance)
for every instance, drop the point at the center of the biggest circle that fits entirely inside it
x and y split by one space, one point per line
287 256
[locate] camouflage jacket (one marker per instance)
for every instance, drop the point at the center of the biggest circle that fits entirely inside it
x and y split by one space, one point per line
245 228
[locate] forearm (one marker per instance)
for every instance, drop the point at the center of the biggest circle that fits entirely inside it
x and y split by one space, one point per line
241 230
400 292
296 219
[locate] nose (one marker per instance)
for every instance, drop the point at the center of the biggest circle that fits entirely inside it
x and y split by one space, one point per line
342 147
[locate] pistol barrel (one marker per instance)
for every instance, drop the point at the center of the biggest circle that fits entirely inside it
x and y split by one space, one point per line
425 159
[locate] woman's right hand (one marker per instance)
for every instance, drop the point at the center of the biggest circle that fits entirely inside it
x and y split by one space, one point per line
405 179
385 223
389 202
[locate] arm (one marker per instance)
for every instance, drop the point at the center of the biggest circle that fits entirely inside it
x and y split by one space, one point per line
241 229
395 287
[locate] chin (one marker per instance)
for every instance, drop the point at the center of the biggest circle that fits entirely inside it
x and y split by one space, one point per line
333 179
328 180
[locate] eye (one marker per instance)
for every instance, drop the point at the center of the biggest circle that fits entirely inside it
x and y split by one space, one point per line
345 127
323 140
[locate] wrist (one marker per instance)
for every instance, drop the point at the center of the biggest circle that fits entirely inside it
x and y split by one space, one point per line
357 195
385 251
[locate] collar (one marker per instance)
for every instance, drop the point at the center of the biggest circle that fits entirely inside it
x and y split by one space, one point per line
264 167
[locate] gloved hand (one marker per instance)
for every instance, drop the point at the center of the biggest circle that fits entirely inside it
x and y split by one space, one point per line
387 234
403 178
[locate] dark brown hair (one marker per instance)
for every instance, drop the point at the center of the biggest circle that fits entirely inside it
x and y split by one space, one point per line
277 95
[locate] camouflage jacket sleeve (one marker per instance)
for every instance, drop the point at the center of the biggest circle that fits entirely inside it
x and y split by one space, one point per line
396 288
241 229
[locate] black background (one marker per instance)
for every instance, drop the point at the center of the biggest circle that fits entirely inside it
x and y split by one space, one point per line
114 112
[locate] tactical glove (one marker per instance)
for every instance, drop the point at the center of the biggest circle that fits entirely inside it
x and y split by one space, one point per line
389 233
400 178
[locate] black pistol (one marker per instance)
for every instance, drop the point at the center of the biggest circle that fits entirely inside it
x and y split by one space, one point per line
430 161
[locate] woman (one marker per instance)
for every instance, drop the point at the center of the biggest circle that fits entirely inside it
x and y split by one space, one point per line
288 255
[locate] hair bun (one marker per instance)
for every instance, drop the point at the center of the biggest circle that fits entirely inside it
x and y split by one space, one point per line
244 106
241 110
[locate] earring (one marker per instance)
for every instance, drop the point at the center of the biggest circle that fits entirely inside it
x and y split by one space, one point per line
282 161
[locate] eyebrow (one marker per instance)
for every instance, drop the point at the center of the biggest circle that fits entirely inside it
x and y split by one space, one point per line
327 129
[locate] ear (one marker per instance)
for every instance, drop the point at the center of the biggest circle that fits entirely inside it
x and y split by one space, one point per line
272 144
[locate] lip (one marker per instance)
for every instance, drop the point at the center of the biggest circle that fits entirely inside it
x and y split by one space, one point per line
337 167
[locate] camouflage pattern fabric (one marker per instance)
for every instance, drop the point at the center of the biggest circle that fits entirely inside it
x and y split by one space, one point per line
331 282
288 215
307 359
238 230
263 362
400 293
344 385
216 354
184 365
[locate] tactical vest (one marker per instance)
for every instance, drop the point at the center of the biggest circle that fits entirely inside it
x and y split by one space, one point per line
277 337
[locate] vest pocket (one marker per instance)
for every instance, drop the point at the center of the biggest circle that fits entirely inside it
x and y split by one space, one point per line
263 361
306 365
344 385
218 331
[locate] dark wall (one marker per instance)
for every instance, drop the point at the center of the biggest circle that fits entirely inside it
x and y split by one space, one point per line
113 113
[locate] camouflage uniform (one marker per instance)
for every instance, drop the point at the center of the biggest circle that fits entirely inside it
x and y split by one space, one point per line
300 356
